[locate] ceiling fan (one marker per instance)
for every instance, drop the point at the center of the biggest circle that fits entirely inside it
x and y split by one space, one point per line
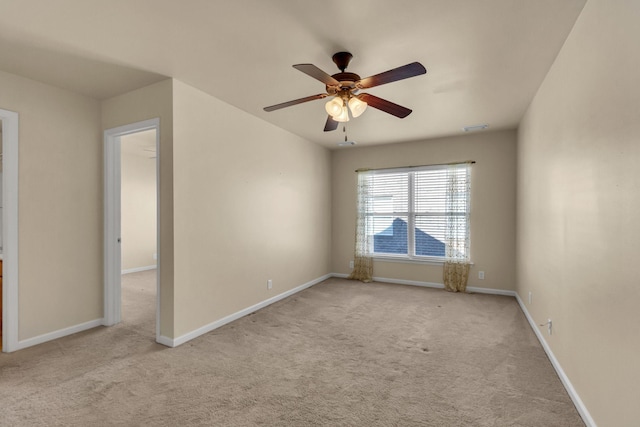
343 87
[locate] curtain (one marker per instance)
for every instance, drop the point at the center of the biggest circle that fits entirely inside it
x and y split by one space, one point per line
363 261
455 276
456 266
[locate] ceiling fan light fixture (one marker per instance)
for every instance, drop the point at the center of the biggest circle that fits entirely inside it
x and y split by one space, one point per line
334 107
357 106
343 116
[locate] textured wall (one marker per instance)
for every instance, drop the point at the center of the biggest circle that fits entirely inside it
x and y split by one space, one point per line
60 205
251 203
578 187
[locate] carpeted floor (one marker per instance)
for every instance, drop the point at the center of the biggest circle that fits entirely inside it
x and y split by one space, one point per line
341 353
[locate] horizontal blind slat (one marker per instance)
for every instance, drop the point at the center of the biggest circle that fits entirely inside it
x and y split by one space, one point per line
439 211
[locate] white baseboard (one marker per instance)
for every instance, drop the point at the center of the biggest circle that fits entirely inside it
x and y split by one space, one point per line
174 342
29 342
397 281
470 289
169 342
491 291
582 409
409 282
138 269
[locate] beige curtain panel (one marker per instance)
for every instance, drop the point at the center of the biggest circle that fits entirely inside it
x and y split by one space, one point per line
363 261
456 267
456 275
362 269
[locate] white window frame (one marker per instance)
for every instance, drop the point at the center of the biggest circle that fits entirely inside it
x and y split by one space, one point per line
410 256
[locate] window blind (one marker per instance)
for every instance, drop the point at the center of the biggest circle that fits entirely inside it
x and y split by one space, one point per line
420 212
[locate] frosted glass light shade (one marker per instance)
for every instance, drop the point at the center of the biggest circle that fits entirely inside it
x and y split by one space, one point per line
357 107
334 106
343 116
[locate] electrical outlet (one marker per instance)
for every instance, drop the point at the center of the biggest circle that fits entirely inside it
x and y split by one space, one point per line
269 284
549 326
351 264
530 296
481 275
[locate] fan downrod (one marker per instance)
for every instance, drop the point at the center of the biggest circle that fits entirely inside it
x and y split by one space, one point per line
342 59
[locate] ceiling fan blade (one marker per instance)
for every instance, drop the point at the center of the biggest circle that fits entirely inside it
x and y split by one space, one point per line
295 102
330 125
384 105
400 73
317 73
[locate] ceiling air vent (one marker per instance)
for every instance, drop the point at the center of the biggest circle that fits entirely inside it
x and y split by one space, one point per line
475 128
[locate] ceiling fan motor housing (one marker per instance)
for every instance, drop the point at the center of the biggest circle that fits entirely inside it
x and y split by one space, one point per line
347 81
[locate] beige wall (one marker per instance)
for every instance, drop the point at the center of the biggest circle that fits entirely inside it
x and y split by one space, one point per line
578 209
138 203
492 203
252 203
60 205
147 103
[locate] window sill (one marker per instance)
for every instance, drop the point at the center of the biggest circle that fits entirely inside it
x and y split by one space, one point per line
407 260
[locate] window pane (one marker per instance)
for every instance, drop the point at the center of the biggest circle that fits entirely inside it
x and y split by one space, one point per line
430 190
389 193
441 190
432 232
392 235
429 235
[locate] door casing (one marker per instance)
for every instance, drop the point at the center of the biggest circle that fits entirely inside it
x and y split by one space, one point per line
10 331
112 220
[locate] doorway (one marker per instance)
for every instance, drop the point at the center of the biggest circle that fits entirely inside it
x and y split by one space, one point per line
132 243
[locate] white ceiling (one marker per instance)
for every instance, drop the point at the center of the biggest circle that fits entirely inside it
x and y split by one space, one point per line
485 59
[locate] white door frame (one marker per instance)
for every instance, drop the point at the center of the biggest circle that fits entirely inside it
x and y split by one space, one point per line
9 230
112 211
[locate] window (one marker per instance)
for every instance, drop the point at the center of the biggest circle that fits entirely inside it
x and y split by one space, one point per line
418 213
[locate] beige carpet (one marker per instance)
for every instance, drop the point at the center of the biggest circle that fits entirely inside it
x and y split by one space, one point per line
341 353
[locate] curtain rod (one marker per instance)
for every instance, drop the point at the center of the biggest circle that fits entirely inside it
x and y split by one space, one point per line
420 166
